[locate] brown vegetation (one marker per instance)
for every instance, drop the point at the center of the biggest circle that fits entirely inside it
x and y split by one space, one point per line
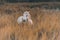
46 23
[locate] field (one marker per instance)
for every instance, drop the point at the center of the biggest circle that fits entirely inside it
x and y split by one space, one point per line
46 23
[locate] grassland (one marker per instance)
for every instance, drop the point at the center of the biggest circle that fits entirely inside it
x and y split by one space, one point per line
46 23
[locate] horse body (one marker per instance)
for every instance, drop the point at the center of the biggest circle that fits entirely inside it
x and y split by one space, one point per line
25 18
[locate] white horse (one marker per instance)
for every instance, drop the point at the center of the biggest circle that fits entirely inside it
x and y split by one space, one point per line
25 18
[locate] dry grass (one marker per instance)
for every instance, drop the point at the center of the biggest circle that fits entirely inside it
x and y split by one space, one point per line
46 24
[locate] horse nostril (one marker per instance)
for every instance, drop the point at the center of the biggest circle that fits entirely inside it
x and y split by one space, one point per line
23 20
26 15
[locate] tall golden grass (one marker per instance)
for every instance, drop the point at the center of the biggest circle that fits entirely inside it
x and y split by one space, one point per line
46 23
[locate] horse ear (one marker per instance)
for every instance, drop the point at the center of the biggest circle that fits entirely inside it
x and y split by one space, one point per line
28 11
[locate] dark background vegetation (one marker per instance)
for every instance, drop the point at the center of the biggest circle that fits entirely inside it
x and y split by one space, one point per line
29 0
